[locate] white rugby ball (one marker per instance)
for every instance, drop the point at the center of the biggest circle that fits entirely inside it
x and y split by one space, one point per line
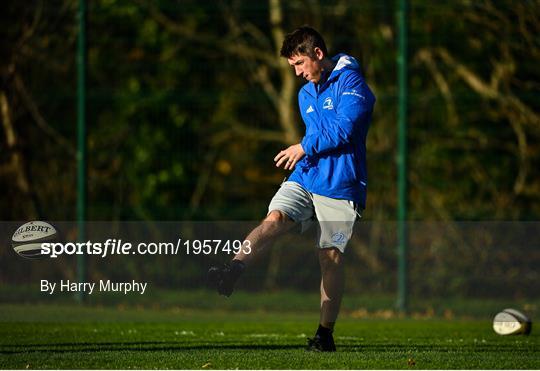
27 239
511 322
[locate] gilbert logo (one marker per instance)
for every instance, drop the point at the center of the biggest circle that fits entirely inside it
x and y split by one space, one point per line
328 104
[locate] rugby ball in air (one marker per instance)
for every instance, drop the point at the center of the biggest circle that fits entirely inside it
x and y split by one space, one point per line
27 239
511 322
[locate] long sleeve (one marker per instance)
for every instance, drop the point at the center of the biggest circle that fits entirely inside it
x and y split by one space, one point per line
356 101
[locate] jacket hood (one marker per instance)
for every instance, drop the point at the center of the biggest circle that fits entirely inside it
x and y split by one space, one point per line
345 62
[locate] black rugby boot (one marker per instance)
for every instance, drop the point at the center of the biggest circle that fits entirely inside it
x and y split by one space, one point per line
224 278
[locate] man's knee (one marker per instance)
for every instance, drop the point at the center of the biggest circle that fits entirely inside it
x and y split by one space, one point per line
330 259
277 216
276 222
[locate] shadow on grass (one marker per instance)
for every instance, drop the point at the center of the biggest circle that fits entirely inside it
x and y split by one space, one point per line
156 346
142 346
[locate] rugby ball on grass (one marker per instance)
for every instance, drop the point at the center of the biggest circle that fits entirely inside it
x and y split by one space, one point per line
511 322
27 239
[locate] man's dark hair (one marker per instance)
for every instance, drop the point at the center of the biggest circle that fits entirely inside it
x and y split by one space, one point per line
302 41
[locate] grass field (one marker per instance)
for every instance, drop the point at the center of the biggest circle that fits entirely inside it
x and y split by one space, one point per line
64 336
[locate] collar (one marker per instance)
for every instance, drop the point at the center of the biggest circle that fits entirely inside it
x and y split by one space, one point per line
324 79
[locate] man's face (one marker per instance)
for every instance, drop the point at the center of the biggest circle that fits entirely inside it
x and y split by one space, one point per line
307 67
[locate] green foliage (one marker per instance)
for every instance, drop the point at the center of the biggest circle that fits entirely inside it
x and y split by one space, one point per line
180 126
168 89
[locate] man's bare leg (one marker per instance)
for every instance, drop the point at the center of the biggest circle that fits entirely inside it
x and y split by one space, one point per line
224 278
275 224
332 285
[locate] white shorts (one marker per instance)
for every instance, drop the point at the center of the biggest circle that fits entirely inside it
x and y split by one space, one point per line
335 217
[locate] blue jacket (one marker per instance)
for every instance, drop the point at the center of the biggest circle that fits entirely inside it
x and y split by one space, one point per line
337 115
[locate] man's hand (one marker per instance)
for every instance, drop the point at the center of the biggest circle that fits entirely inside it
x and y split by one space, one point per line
289 156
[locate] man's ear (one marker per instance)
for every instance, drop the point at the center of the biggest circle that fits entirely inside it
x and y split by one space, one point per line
319 54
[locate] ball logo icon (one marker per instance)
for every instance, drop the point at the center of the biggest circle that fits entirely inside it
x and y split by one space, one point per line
27 239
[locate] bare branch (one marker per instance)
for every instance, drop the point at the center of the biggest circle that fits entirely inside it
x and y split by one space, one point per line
519 183
284 108
468 75
490 90
261 75
514 110
237 129
17 160
204 178
426 56
29 30
227 44
257 35
38 117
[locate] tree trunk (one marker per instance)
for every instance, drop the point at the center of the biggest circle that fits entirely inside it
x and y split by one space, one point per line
16 165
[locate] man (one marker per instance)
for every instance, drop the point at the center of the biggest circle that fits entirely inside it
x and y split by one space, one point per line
329 177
